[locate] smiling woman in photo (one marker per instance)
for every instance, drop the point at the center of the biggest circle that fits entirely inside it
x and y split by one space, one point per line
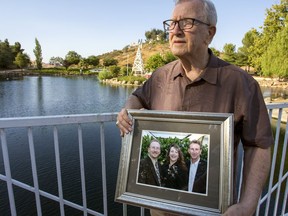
174 170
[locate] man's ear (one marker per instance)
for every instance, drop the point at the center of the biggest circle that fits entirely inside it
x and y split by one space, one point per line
212 32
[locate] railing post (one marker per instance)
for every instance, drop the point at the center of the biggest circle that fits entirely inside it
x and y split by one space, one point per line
103 161
284 151
34 171
82 169
8 172
58 169
273 162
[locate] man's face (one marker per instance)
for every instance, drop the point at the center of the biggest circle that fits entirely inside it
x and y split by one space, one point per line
154 150
194 151
189 43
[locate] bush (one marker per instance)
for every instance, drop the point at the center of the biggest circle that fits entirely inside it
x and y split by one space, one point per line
104 75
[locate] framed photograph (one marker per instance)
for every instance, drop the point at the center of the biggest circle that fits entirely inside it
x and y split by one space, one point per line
177 162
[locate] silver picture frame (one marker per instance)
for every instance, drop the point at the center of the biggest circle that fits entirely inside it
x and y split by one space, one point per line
219 196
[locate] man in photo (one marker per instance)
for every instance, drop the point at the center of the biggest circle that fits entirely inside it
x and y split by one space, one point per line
149 170
197 168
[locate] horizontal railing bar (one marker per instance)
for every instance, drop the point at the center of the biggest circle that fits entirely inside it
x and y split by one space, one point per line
77 118
50 196
276 105
16 122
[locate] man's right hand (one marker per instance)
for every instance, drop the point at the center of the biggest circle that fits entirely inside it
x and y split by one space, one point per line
124 122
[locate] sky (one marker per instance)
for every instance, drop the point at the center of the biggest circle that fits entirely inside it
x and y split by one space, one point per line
93 27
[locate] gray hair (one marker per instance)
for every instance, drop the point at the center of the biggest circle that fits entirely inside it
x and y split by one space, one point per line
209 11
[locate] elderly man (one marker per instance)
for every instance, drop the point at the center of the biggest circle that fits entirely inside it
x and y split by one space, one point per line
201 82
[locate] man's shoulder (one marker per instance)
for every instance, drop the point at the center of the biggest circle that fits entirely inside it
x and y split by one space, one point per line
202 166
228 67
168 69
233 73
202 161
146 160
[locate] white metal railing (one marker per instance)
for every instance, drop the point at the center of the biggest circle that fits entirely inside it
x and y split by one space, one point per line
277 111
274 187
54 121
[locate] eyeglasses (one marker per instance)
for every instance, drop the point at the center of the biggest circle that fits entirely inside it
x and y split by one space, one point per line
183 24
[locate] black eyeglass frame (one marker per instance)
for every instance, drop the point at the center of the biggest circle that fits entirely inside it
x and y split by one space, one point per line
165 23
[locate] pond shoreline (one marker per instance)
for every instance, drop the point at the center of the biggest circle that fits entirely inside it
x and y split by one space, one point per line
18 73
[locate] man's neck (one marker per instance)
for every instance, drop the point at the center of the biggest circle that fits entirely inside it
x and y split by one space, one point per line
194 65
195 161
152 159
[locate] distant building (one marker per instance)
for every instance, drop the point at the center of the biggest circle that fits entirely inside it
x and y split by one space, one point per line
138 66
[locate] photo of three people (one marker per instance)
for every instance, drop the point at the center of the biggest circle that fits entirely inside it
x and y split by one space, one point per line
174 160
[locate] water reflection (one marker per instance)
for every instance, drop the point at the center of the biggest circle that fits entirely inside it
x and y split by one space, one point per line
38 96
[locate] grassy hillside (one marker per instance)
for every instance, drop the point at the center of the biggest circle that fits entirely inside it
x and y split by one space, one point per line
130 52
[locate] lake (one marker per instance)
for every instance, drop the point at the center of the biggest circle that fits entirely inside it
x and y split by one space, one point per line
38 96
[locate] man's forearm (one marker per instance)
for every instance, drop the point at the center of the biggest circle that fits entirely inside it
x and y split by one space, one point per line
256 169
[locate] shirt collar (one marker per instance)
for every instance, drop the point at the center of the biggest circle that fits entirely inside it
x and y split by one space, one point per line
209 74
196 163
153 160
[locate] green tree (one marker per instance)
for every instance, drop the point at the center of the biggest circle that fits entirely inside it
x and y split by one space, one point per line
169 57
83 63
22 60
56 61
275 20
72 57
65 64
274 61
93 60
104 74
109 61
154 62
246 52
114 70
38 54
155 35
16 48
229 53
126 71
6 54
215 51
241 59
254 51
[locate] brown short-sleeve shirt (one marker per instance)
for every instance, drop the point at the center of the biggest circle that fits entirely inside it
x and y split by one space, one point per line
222 88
